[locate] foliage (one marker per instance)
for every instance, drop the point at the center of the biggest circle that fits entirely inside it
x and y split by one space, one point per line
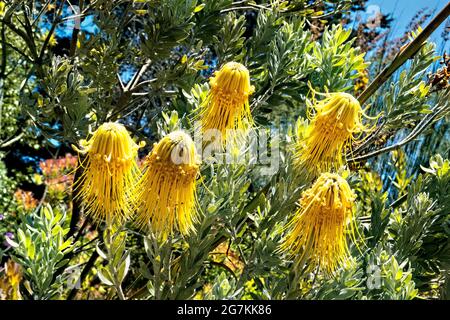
146 64
40 249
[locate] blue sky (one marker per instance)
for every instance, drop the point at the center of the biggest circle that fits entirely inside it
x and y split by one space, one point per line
404 10
401 10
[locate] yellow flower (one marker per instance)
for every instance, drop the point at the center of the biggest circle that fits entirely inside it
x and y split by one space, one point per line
2 8
335 124
9 283
109 173
362 81
166 190
51 41
318 232
226 106
51 6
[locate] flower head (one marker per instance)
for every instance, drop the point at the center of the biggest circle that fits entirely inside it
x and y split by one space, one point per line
10 281
109 173
335 124
51 40
2 8
166 190
25 199
320 226
227 106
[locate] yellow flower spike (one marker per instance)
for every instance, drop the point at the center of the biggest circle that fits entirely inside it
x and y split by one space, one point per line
109 173
318 231
167 188
2 8
335 124
226 106
10 282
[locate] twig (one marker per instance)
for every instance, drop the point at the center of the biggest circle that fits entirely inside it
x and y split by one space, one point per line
129 89
13 140
41 12
76 206
120 82
20 52
75 32
413 134
248 7
31 44
138 75
399 201
41 202
369 138
144 82
51 32
4 57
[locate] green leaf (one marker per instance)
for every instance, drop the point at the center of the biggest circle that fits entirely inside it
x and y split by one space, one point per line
105 277
124 267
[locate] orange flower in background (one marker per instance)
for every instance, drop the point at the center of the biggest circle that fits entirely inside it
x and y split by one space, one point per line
58 173
25 199
52 168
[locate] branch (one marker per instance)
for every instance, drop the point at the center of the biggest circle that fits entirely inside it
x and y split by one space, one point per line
10 142
52 31
129 89
76 205
137 75
75 32
367 140
4 54
20 52
409 51
23 35
417 130
41 12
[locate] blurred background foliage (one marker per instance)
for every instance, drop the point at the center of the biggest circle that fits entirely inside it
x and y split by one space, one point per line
68 66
